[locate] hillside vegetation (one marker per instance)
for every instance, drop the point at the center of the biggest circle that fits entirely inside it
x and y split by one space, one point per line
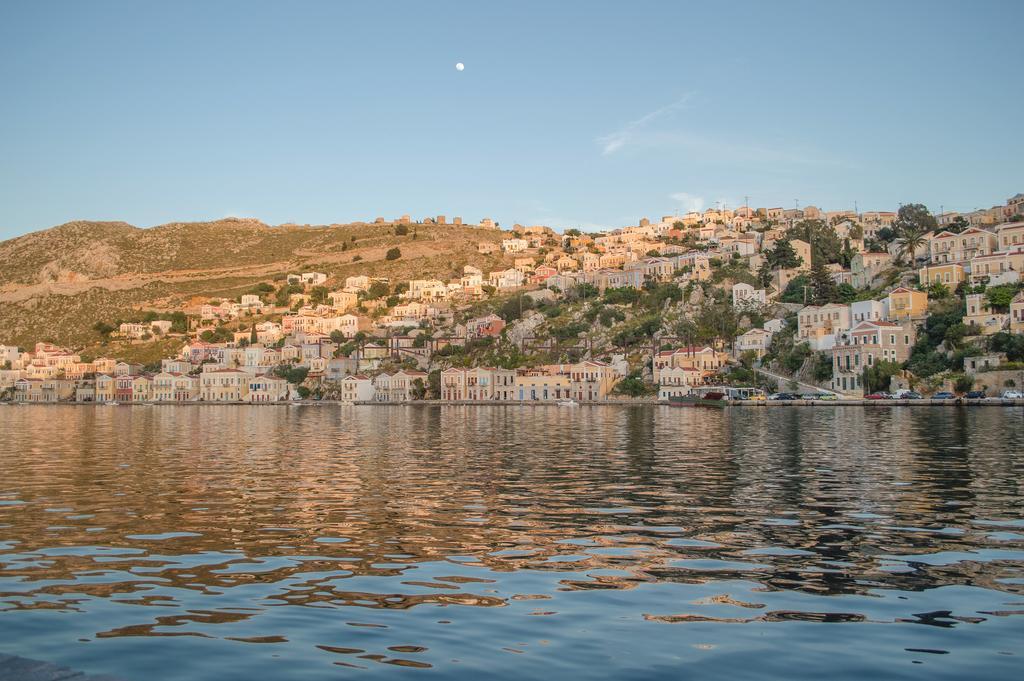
56 283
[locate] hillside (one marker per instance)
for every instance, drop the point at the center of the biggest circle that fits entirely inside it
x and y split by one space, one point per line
56 283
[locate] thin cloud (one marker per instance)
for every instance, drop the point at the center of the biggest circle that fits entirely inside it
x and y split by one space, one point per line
688 202
643 133
615 141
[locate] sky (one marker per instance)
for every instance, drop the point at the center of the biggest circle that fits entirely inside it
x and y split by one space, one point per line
571 114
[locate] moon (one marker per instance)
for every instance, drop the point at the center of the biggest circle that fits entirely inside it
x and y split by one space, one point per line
460 66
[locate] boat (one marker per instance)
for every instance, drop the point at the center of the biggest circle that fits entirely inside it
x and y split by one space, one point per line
708 399
568 403
111 403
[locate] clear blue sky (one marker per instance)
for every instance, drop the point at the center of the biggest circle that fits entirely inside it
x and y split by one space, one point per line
571 114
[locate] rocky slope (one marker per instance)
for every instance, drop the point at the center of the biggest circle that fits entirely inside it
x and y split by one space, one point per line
56 283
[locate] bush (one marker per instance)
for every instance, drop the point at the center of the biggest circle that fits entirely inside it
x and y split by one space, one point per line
822 370
1011 344
104 329
637 331
568 331
793 360
877 377
633 386
659 293
294 375
401 230
621 296
393 254
513 308
378 289
608 317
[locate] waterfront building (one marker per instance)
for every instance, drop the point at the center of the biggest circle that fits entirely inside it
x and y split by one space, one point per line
264 389
534 386
865 344
357 388
223 385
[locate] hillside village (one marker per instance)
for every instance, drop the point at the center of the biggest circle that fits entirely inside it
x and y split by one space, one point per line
852 303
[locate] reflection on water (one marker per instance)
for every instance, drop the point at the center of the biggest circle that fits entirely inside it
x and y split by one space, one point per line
605 542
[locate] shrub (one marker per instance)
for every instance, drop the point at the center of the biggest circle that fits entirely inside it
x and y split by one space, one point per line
393 254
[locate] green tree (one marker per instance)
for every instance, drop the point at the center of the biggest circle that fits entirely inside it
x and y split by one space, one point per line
658 294
957 225
292 374
1010 343
794 292
514 307
822 284
1000 297
912 225
377 289
783 256
939 291
434 385
633 386
318 295
822 370
626 295
914 217
419 389
963 384
179 322
252 334
885 235
764 273
104 329
825 242
583 291
877 377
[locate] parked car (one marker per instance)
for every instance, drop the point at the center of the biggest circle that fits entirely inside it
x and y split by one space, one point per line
1013 395
909 395
944 395
782 396
827 397
878 396
756 397
976 395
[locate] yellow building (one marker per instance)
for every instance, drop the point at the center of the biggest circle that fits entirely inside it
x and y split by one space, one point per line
803 250
949 274
905 303
533 386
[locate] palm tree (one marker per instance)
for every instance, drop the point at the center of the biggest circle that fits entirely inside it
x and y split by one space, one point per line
909 241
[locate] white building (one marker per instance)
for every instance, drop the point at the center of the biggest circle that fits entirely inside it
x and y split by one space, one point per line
514 245
357 388
745 295
756 340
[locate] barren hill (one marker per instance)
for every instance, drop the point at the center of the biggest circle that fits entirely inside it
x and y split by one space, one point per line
56 283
